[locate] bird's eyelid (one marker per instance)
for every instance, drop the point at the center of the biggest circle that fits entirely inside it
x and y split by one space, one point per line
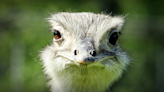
53 30
115 30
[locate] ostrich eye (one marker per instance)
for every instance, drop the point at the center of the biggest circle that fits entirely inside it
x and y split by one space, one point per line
113 38
57 34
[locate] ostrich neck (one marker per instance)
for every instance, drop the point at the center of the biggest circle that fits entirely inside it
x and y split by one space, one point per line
83 80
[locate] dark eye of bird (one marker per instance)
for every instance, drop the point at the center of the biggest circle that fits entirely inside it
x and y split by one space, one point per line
113 38
57 34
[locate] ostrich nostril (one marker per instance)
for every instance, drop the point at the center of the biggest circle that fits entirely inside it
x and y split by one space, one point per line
75 52
93 53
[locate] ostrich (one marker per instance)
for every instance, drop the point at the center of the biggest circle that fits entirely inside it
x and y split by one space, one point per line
85 55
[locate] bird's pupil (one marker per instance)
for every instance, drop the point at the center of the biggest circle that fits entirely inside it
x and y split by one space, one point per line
57 34
113 38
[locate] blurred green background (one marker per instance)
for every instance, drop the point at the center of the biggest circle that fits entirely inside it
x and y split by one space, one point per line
23 33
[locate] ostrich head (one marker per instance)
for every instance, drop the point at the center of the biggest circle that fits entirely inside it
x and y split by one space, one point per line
85 55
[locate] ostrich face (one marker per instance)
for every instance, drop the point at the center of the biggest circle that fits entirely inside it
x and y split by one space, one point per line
85 54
